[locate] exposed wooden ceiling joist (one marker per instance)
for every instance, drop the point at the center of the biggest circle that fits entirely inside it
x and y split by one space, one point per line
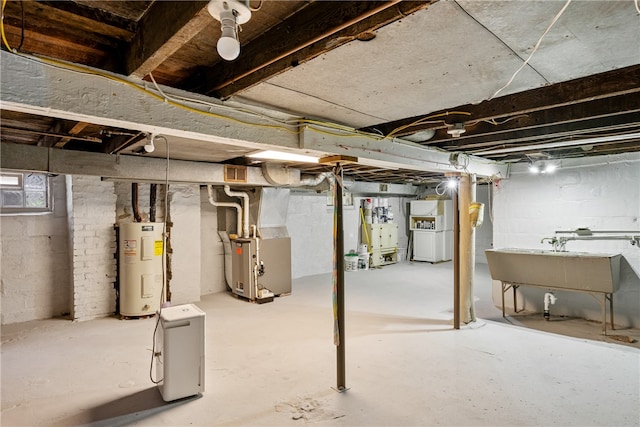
598 86
316 29
165 28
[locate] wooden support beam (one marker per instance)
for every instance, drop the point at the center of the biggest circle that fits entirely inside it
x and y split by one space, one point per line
598 86
166 27
75 130
51 137
316 29
616 110
117 143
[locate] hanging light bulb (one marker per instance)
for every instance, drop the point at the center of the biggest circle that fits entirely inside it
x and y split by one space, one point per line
228 44
149 147
231 14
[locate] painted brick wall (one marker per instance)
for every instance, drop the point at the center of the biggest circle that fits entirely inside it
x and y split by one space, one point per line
35 262
184 214
310 225
124 210
91 209
602 193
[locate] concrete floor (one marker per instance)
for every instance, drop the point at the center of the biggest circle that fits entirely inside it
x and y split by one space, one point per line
274 364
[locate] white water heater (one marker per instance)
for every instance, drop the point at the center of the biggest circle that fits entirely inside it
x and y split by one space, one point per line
140 255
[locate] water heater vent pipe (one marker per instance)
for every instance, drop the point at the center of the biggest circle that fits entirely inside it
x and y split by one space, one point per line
245 209
227 205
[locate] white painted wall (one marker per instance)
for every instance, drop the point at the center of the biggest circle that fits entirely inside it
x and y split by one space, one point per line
184 249
602 193
91 211
310 225
211 249
35 262
184 245
484 234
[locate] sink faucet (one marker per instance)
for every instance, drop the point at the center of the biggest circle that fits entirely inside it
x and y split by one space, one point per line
558 244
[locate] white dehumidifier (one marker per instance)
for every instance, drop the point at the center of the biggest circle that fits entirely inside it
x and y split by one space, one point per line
180 352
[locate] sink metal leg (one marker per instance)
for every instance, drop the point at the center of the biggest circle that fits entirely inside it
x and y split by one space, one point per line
604 314
610 298
503 291
515 298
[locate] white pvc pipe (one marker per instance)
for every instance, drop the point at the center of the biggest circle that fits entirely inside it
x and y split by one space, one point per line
245 209
549 298
226 205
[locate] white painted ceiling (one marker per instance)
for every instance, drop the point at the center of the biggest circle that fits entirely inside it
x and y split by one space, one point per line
454 53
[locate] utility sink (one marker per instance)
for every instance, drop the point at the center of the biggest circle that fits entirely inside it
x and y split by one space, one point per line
580 271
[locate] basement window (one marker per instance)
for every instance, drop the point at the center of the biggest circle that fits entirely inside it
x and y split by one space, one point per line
24 193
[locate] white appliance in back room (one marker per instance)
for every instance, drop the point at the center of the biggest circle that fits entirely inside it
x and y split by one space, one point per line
431 223
180 352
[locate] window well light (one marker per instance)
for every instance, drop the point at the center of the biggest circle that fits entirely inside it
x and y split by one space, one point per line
231 14
283 156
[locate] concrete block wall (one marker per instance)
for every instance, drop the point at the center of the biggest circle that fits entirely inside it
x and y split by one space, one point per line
211 249
601 193
91 214
35 262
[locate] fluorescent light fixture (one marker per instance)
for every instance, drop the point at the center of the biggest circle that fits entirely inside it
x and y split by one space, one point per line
534 169
550 168
283 156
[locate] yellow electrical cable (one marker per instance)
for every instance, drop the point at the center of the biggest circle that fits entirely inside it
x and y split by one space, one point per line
311 124
156 96
4 37
422 119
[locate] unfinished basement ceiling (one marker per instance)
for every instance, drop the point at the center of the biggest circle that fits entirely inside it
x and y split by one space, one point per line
430 66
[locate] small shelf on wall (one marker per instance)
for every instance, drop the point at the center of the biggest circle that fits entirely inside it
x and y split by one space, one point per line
423 223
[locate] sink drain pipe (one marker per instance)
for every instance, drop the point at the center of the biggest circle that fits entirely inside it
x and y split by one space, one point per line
549 299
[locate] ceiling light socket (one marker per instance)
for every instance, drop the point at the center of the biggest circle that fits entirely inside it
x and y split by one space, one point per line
240 10
456 130
149 146
230 13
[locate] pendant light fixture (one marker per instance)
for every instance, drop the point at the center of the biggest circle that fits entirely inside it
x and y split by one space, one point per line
231 14
149 146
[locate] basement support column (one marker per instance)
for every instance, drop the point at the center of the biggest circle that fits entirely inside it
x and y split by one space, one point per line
338 285
466 195
456 258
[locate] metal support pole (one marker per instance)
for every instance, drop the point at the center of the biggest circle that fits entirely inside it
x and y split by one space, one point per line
456 261
339 248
